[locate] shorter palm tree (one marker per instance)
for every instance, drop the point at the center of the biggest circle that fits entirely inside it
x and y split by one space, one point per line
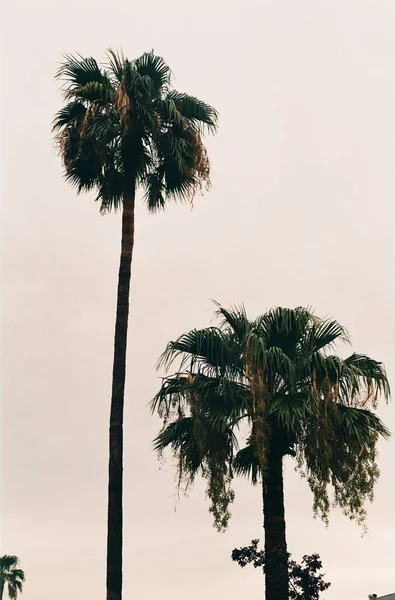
278 376
11 575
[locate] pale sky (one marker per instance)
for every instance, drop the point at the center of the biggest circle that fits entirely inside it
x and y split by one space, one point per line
301 213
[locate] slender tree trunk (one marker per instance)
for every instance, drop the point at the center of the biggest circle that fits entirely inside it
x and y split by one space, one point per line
276 561
115 471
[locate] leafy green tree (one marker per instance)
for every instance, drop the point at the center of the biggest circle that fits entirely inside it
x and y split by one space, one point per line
12 575
305 581
277 378
123 128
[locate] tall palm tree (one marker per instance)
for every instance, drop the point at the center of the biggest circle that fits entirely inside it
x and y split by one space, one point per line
12 575
122 128
276 378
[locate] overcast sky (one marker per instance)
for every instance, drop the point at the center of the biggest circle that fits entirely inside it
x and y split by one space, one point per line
301 213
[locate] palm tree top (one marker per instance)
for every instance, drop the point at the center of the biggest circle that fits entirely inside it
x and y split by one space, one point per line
278 373
272 341
11 574
124 124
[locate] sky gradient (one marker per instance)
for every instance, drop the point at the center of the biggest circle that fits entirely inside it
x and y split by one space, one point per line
301 213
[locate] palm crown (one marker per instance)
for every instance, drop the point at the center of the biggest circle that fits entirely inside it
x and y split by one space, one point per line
277 374
11 574
123 125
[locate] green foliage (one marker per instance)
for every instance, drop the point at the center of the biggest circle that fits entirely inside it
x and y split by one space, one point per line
11 574
278 376
305 581
123 125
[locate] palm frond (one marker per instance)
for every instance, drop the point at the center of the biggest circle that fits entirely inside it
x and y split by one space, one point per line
93 92
18 575
222 401
202 115
181 437
116 62
270 362
246 464
169 112
104 127
76 71
205 347
8 561
368 372
291 410
155 190
155 68
236 318
70 114
110 190
283 328
172 395
83 162
357 424
324 333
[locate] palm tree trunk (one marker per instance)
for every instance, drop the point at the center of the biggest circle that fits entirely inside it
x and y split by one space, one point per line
115 471
276 561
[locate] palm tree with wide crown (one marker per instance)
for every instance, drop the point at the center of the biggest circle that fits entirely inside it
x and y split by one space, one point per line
276 378
123 128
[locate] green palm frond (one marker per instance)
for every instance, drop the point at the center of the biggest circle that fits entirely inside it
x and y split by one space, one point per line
172 396
356 380
192 109
220 400
110 190
180 436
236 318
208 348
71 114
270 361
155 194
77 71
94 93
104 128
369 372
18 575
324 333
227 402
169 112
283 328
8 561
116 62
291 410
155 68
247 465
176 152
194 442
180 186
359 424
83 162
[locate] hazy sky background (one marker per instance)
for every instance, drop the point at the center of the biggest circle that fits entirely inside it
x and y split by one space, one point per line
301 212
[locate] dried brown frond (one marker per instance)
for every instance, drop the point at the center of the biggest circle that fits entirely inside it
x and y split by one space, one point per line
123 105
201 161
